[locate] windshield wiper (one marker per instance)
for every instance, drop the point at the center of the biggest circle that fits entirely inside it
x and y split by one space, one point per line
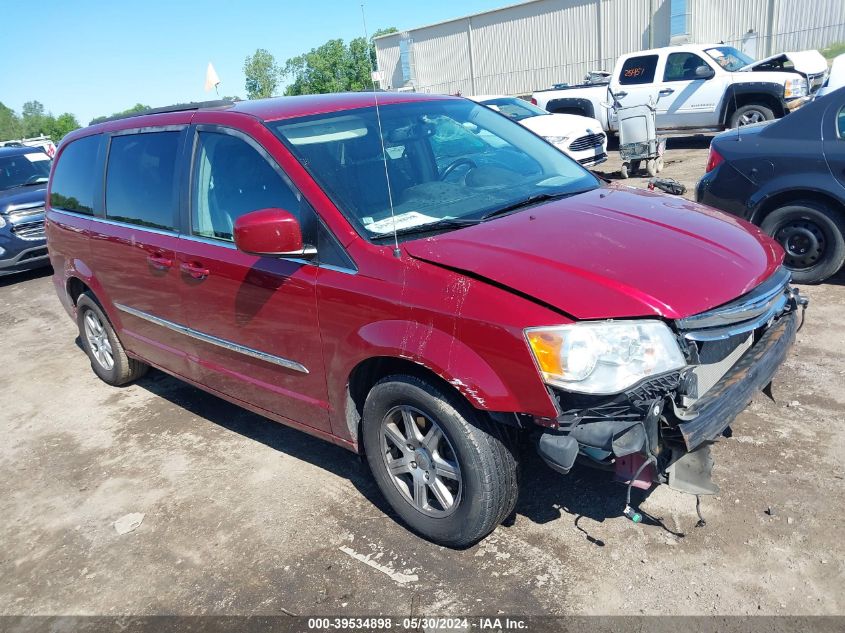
445 223
537 198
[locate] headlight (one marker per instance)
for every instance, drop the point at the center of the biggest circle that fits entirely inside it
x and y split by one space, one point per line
796 87
557 140
603 357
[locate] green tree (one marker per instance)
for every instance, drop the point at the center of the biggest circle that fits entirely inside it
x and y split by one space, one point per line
333 67
10 124
61 125
34 121
138 107
262 74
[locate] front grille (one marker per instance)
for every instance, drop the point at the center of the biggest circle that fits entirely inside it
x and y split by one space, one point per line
29 230
593 160
586 142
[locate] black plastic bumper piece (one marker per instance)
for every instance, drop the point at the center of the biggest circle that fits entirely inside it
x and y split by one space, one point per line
558 451
714 411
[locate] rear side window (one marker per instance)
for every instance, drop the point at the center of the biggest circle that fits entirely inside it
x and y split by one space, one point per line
75 176
638 70
140 179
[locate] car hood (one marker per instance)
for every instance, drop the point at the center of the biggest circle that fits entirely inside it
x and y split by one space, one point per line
806 62
561 125
613 252
22 197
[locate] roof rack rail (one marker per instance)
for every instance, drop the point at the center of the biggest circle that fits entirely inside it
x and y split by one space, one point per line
179 107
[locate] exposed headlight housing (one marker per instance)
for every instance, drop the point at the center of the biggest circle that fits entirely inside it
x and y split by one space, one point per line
603 357
795 87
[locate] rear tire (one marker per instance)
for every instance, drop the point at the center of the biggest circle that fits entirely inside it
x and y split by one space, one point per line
812 236
751 113
651 167
99 340
623 170
447 470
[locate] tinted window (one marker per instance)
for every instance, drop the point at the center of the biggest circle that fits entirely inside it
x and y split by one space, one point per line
75 176
140 179
23 169
840 123
231 178
638 70
681 67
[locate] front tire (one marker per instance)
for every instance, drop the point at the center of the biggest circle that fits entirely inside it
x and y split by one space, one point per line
812 236
446 469
99 340
750 114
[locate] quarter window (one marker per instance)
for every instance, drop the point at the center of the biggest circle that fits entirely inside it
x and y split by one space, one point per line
140 179
75 177
230 179
681 67
638 70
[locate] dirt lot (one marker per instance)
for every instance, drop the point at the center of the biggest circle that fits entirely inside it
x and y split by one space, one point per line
243 516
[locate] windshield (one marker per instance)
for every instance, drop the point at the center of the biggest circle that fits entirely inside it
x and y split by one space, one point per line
514 108
447 160
18 170
729 58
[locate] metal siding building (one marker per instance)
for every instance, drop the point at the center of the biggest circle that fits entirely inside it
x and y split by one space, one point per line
520 48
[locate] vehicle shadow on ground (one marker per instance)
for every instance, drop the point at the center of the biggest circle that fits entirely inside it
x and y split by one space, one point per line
545 495
27 275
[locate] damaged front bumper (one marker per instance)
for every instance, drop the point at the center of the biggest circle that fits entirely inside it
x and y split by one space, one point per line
660 430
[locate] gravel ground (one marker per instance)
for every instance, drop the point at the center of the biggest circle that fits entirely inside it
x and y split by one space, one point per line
243 516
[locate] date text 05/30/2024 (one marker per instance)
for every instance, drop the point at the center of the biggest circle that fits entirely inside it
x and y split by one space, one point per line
492 624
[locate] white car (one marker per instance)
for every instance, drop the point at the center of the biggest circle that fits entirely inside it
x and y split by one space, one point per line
580 137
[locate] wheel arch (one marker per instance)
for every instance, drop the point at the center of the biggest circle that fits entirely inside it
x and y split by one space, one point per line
781 198
762 93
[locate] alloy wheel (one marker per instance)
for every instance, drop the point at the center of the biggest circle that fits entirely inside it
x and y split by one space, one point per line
420 461
98 340
752 116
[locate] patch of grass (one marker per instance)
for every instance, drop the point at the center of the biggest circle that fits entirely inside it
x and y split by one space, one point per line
834 50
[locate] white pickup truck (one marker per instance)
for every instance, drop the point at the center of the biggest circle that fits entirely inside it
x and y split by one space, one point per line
697 87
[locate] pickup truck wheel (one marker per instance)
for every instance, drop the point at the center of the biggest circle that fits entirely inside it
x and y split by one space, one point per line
751 113
446 469
812 236
99 340
651 167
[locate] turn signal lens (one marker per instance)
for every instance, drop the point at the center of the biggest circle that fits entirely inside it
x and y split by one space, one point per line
546 347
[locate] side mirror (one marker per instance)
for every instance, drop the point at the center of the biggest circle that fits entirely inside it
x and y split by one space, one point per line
272 232
704 72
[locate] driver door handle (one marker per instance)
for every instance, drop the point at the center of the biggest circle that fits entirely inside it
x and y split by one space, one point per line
159 261
621 94
666 91
195 270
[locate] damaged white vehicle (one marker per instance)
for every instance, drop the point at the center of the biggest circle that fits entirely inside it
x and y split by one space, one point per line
582 138
697 87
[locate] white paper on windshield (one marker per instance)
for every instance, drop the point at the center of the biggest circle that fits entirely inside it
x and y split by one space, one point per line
402 221
34 157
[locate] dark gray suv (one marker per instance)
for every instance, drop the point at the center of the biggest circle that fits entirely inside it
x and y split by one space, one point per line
23 184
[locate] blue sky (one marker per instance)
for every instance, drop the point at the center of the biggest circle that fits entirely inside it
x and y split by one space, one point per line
94 58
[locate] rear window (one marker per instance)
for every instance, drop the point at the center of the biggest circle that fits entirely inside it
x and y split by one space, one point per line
140 179
75 176
638 70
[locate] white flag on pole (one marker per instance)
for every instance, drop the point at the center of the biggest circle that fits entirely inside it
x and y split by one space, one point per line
211 78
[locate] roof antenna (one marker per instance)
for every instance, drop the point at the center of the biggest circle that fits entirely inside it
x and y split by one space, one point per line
396 251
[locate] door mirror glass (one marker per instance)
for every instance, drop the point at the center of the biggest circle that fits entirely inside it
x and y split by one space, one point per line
704 72
273 232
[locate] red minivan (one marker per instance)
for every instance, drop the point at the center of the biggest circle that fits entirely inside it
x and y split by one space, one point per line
420 279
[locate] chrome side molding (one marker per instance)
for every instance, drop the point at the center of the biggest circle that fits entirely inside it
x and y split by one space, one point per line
213 340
